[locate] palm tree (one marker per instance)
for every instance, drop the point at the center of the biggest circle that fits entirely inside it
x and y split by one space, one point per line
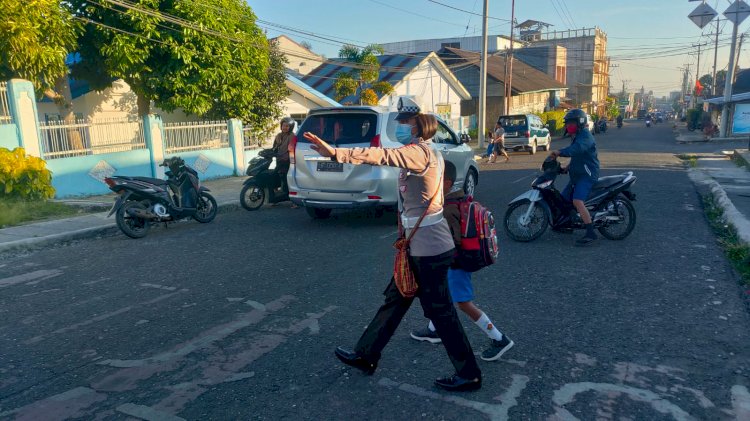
362 79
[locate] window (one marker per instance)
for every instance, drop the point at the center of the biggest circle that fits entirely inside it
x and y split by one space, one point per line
443 135
341 129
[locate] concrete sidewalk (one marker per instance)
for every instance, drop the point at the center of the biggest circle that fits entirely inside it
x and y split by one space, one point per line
225 190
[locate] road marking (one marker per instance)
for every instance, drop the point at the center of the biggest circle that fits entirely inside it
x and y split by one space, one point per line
68 404
741 402
567 393
98 318
41 292
256 305
146 413
496 412
206 338
157 286
521 179
390 234
35 277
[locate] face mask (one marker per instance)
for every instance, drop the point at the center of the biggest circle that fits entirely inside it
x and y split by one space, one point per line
571 129
403 133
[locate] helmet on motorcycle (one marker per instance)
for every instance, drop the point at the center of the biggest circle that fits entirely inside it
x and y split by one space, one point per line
290 121
578 116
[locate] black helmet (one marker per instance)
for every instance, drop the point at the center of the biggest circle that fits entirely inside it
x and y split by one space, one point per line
576 115
290 121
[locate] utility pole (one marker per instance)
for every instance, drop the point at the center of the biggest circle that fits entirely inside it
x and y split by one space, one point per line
737 56
509 85
716 50
728 84
483 79
693 100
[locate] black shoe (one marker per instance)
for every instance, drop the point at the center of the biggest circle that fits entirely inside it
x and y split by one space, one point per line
586 239
426 334
497 348
456 383
355 360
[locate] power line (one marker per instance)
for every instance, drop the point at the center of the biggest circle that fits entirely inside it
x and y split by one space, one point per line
466 11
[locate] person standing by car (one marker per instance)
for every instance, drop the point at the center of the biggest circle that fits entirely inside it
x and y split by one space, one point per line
281 148
459 280
583 168
498 141
431 248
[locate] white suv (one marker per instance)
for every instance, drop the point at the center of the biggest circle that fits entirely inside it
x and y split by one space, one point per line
321 185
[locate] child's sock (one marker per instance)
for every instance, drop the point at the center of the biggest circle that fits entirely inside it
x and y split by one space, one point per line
487 327
431 326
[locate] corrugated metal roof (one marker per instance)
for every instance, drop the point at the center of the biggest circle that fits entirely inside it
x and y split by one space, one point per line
393 69
525 77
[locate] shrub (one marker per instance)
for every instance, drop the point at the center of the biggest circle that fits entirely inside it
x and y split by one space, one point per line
24 177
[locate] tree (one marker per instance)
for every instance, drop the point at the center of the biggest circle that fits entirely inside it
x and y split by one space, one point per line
613 107
208 58
37 37
362 79
306 45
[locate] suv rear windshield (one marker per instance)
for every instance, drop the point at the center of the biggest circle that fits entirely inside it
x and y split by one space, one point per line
513 123
340 128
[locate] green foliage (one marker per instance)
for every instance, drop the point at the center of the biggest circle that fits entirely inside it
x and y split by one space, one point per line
362 78
473 133
14 212
557 116
736 250
36 37
208 58
613 108
24 177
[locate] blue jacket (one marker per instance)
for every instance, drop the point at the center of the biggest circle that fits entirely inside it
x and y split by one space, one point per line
584 162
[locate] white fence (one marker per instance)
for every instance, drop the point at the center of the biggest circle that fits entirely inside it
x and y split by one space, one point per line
5 117
194 136
61 139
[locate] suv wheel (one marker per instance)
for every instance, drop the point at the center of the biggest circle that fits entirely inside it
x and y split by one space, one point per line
471 183
532 151
317 213
549 143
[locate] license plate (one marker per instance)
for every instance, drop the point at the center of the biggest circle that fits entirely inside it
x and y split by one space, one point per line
331 166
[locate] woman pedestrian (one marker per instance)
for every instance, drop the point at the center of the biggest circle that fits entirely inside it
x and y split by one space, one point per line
431 248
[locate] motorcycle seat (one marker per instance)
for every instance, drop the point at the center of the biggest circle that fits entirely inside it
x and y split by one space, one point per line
606 182
155 181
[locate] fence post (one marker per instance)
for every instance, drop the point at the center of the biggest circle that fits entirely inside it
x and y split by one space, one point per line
153 131
238 145
22 102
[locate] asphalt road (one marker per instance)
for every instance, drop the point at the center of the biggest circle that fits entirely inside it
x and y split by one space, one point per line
238 319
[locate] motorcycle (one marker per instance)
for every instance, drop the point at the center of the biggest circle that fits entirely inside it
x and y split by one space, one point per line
648 123
263 183
619 124
609 203
602 125
143 201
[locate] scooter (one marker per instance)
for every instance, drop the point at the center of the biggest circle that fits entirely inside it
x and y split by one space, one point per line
143 201
619 124
602 125
648 123
609 203
263 183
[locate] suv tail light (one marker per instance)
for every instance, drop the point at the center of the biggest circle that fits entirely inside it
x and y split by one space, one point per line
110 182
291 148
375 142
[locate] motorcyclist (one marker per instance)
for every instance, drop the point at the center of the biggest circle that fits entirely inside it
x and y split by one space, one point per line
281 149
583 168
619 120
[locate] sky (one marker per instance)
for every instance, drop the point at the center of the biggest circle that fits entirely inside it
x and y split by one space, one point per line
650 42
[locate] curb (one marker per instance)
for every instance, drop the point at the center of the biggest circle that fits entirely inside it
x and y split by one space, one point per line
734 217
108 230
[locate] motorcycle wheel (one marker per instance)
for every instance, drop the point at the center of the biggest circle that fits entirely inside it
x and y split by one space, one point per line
525 231
622 208
252 197
132 226
206 209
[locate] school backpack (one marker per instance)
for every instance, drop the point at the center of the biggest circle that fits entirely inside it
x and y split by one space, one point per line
479 247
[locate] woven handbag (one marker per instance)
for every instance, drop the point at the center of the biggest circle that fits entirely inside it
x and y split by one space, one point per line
403 275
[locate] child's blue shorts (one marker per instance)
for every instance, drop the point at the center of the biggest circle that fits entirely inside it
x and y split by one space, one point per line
459 284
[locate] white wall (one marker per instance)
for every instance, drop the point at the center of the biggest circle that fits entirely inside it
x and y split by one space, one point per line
429 88
115 102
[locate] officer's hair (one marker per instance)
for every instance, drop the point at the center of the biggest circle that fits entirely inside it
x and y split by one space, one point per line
426 125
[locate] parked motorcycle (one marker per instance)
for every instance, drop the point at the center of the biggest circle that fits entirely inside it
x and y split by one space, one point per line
609 204
143 201
263 183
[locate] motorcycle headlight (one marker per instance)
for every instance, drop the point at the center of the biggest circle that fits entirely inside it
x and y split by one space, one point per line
544 185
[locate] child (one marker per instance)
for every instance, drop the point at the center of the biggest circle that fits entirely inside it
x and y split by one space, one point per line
459 281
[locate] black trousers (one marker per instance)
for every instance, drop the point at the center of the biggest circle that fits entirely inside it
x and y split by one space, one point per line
431 274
